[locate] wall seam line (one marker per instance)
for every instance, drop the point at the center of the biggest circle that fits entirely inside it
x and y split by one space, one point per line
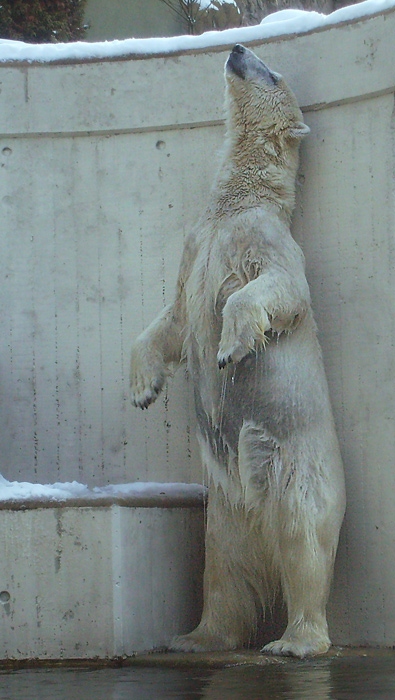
314 107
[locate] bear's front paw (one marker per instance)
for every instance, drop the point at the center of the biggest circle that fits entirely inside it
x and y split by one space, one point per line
147 377
245 322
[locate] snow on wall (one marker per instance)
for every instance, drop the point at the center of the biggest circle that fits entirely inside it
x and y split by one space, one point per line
14 491
275 25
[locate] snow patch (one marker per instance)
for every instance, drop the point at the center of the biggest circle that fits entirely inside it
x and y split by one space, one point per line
25 491
208 4
275 25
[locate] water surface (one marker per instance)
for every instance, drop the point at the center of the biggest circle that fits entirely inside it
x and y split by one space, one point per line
360 678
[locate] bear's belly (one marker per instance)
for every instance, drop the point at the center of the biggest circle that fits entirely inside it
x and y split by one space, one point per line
281 388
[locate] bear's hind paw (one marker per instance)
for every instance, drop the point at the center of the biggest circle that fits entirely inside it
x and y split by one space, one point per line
301 648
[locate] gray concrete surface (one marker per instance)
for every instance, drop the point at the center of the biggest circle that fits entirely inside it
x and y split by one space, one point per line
97 581
104 167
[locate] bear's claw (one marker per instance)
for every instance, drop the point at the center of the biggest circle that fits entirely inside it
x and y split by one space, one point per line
146 394
223 361
148 374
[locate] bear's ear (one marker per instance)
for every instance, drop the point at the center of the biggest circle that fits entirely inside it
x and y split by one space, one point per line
299 130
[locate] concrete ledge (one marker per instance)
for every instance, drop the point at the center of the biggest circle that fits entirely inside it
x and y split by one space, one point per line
165 499
98 580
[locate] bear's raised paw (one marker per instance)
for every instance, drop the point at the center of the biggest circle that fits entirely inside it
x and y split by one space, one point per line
147 377
245 322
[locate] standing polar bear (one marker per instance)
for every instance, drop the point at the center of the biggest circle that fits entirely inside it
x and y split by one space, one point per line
242 319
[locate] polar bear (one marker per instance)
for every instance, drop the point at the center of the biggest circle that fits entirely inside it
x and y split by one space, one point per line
242 319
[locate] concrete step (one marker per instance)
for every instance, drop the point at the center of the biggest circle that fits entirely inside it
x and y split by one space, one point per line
99 578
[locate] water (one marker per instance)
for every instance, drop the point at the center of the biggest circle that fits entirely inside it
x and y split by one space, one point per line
371 678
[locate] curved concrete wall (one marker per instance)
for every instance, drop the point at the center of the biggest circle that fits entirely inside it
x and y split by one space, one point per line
104 166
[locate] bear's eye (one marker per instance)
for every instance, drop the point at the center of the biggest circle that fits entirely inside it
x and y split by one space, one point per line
274 79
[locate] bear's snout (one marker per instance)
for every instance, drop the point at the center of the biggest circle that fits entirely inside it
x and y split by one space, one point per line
246 64
235 63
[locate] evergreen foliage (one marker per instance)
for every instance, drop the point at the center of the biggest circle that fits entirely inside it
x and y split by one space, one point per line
42 21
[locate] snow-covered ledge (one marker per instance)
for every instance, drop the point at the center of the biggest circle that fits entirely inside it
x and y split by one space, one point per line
16 495
277 25
99 573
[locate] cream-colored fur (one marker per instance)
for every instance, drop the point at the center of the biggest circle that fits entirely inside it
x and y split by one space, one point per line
242 319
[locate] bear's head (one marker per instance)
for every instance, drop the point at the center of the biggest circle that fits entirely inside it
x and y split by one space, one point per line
259 99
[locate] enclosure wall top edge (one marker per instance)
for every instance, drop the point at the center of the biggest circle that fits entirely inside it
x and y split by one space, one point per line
218 48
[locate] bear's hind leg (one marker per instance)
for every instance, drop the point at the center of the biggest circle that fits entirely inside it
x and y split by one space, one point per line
231 604
307 547
305 584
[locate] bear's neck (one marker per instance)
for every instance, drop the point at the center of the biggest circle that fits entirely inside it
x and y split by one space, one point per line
257 172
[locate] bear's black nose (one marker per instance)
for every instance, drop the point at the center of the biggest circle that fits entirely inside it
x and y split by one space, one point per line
238 49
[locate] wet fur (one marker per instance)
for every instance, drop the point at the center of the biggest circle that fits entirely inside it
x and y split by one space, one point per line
242 319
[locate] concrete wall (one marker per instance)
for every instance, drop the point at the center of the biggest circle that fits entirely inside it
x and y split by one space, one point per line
97 582
104 166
